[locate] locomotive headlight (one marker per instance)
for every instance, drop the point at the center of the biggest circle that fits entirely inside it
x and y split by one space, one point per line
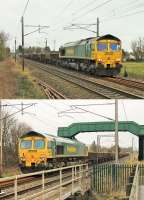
22 158
42 158
99 60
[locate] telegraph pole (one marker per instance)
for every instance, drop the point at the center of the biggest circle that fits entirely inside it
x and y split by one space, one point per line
54 44
132 148
15 50
46 44
23 62
116 133
98 23
1 140
98 143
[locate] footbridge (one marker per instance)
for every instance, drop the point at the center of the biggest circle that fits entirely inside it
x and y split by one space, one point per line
123 126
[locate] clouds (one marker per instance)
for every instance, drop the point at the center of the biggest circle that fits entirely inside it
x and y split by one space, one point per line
59 13
46 117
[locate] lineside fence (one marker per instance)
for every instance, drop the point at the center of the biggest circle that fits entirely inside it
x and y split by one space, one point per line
124 179
52 184
111 177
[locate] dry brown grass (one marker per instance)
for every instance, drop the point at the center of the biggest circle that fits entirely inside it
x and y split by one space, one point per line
11 171
16 84
7 80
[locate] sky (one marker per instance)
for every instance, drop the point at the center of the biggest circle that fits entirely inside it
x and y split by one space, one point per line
121 18
47 115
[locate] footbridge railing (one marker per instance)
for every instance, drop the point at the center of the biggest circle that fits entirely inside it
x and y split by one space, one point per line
53 184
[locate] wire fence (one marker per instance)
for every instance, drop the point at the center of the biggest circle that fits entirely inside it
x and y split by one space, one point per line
124 179
111 177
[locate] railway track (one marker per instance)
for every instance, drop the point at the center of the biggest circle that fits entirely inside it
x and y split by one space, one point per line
50 92
35 185
33 182
127 82
101 89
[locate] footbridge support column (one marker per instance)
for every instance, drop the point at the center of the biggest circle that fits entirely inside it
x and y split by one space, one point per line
141 148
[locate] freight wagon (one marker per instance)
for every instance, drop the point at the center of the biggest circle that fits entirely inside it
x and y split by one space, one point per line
100 56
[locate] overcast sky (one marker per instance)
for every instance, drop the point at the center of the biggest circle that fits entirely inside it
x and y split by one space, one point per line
46 116
122 18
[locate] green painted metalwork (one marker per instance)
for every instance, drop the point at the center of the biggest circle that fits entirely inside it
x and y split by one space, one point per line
74 129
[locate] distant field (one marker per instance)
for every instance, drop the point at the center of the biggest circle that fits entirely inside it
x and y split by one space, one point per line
134 69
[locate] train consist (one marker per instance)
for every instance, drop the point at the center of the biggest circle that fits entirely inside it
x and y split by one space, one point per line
43 151
101 56
39 151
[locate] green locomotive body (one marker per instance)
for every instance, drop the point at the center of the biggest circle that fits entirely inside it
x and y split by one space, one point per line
43 151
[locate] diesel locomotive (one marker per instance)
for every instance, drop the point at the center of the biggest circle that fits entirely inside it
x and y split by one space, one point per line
100 56
39 151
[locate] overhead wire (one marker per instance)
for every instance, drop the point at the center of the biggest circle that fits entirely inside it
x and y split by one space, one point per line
85 6
130 4
93 9
94 104
16 112
63 10
124 110
126 15
91 112
85 111
80 9
26 6
67 6
122 6
126 11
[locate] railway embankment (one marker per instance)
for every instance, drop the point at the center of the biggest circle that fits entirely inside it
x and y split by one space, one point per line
73 84
17 84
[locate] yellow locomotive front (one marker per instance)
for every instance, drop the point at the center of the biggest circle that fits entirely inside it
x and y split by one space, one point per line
34 151
108 55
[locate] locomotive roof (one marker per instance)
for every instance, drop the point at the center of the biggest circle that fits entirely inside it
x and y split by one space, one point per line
52 137
108 37
104 37
78 42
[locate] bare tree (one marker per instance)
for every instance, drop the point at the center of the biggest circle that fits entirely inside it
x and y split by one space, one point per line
3 48
12 130
93 147
138 48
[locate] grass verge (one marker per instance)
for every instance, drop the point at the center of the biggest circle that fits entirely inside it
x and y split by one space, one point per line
27 88
134 69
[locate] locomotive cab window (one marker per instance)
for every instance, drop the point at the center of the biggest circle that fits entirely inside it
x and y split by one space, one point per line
115 47
39 144
49 146
26 144
102 46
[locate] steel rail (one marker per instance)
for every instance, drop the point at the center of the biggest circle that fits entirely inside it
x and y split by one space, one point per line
47 182
29 178
103 90
127 82
50 92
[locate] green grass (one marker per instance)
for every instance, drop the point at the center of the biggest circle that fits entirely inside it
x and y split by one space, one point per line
27 89
134 69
